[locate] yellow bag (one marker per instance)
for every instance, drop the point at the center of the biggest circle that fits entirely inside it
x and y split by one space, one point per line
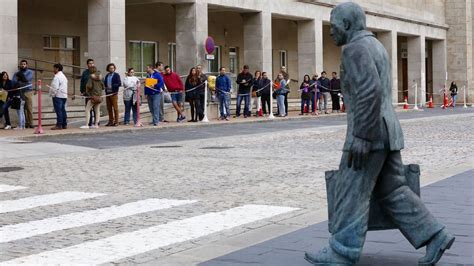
150 83
211 83
3 95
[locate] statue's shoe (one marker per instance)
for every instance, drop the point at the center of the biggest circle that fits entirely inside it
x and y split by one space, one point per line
437 246
326 257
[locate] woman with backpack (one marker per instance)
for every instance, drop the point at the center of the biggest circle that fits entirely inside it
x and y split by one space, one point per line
454 92
192 94
94 90
305 95
7 86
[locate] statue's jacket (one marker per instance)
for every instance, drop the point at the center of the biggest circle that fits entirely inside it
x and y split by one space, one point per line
366 83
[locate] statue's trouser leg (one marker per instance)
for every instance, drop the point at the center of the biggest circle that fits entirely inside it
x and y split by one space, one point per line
354 190
404 207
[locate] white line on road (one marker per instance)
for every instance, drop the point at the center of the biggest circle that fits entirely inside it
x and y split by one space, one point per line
6 188
137 242
43 200
23 230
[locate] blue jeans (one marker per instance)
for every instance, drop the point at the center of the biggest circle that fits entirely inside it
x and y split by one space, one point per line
154 102
129 106
303 103
224 104
60 109
281 104
314 101
454 99
246 99
6 113
21 115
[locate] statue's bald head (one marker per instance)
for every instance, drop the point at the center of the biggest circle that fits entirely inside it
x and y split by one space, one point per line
345 19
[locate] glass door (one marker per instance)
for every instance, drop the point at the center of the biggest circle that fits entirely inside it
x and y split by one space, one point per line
141 54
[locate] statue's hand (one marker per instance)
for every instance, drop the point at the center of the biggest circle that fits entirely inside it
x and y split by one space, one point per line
359 153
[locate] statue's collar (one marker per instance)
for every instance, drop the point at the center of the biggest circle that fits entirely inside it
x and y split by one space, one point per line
359 35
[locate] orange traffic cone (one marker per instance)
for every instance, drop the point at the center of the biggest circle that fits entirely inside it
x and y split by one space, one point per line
260 112
405 106
430 103
445 101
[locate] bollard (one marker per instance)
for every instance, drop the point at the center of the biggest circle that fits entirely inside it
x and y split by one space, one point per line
139 122
39 128
270 116
416 97
465 104
205 119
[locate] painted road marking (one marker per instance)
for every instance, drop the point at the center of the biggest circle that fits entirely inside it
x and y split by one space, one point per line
137 242
6 188
44 200
23 230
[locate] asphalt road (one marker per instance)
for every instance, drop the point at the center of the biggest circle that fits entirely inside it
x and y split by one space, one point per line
162 136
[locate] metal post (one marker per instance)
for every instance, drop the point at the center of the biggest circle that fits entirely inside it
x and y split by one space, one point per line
205 119
270 116
39 129
416 97
139 122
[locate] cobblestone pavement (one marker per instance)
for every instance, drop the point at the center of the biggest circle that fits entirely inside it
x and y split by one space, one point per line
250 187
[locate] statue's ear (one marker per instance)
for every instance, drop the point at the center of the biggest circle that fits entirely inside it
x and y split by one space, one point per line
347 24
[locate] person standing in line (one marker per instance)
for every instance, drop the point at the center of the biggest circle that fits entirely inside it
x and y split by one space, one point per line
94 90
335 88
27 92
154 93
201 91
7 85
84 79
175 86
280 90
130 96
257 82
223 87
160 68
265 93
192 97
324 89
244 79
454 92
315 94
305 94
19 98
112 84
286 76
58 91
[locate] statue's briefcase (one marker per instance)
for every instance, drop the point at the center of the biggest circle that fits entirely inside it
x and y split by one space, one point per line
378 220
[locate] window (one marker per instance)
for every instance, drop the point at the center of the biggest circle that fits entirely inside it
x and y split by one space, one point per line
172 55
141 54
60 42
283 58
214 65
233 60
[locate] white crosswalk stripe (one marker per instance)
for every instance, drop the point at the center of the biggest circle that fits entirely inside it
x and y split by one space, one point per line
137 242
6 188
23 230
44 200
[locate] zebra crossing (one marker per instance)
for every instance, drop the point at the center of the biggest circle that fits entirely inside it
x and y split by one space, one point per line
120 245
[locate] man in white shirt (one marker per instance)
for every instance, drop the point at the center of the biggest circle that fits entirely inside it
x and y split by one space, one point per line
58 91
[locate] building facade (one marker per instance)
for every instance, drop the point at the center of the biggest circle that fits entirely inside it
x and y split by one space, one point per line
430 43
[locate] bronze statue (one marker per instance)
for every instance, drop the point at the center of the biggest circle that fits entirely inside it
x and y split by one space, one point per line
371 164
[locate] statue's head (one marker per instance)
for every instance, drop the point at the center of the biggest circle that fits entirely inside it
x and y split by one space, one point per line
346 18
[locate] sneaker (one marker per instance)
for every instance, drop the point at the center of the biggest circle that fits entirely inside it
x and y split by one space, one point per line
227 119
94 127
7 127
85 127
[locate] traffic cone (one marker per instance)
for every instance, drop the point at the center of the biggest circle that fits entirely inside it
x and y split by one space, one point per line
430 103
445 101
405 106
260 112
305 108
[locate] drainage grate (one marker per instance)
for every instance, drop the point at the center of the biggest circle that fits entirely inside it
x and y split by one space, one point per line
10 169
216 148
166 147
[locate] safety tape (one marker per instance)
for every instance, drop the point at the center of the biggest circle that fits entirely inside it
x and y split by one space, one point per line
21 88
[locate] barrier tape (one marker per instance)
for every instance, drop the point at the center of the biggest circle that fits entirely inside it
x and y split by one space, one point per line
21 88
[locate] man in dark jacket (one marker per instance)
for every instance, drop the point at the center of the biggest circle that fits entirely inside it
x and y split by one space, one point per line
245 81
371 164
84 80
335 88
324 89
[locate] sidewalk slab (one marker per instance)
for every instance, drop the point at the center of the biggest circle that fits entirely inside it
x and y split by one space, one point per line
451 201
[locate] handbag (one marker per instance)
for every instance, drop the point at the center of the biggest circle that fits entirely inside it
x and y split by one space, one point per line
16 103
378 220
167 97
96 99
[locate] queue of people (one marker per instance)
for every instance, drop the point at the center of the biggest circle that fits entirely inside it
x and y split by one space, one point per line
164 85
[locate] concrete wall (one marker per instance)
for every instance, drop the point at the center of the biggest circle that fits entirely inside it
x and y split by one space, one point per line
332 54
285 37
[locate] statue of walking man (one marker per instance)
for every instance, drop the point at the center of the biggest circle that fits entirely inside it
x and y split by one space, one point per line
371 163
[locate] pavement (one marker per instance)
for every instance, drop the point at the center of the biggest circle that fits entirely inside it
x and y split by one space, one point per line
189 195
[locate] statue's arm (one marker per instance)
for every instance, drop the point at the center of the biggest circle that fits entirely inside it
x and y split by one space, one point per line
366 90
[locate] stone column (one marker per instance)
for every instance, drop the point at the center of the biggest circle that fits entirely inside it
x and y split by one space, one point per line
310 47
389 41
106 33
258 41
439 69
416 67
9 33
191 33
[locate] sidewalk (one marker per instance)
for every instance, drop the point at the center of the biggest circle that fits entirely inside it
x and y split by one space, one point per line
450 200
